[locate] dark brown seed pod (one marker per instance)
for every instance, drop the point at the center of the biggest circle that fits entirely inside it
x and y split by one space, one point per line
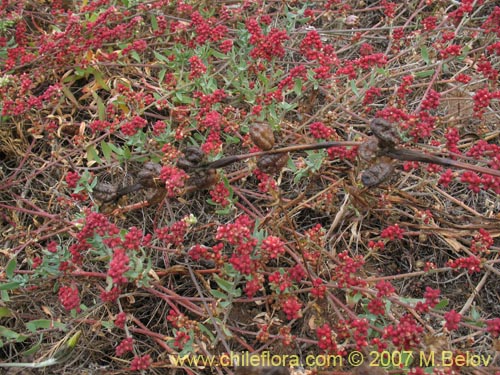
262 135
105 192
368 150
377 174
385 132
148 175
193 156
202 179
272 163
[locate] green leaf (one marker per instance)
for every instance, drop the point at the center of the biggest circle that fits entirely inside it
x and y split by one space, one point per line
9 334
424 52
154 22
218 294
11 267
106 151
160 57
441 305
5 312
101 81
34 325
297 87
135 56
225 285
92 156
35 348
161 75
354 88
10 286
424 73
206 331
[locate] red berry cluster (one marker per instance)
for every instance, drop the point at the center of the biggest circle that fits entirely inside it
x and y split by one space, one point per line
69 298
452 318
125 346
110 296
265 46
326 339
141 363
174 179
493 327
273 247
72 179
321 131
173 234
291 307
220 194
393 232
431 100
197 68
131 127
118 266
406 334
346 269
120 320
431 299
472 264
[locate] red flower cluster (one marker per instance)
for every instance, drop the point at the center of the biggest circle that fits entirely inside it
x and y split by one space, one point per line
452 318
252 287
346 268
472 264
326 338
173 234
118 266
133 126
431 299
125 346
451 50
120 320
69 298
393 232
297 273
273 246
446 178
220 194
321 131
384 289
141 363
281 281
431 100
72 179
291 307
318 289
174 179
493 327
110 296
405 334
481 242
265 46
197 68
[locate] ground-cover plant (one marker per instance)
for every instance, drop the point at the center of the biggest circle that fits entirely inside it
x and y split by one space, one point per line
290 254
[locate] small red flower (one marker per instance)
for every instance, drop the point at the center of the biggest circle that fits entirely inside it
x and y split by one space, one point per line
141 363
